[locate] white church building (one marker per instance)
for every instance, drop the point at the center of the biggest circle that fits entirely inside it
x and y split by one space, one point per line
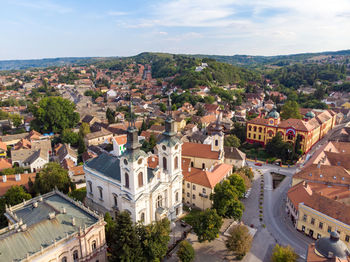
149 187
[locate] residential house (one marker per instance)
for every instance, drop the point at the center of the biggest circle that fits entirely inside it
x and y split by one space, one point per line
234 157
7 181
119 143
66 152
99 137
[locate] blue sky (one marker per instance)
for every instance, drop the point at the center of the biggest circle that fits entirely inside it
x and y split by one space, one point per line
61 28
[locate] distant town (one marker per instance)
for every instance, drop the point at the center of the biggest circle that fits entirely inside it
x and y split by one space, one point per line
162 157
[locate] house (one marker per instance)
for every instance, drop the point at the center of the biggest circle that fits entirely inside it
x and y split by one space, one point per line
76 173
53 227
234 157
66 152
99 137
4 164
7 181
119 143
90 120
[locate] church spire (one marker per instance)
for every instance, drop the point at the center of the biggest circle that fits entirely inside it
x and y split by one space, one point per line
169 122
132 136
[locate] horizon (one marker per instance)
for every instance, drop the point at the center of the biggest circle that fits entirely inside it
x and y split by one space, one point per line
50 28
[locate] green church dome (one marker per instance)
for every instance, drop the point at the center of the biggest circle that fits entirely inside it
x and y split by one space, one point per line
274 114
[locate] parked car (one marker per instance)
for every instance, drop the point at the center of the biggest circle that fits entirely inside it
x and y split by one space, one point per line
258 164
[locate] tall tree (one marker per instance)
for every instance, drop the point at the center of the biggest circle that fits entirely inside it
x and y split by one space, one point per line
284 254
51 176
84 129
110 116
185 252
16 120
237 182
207 225
291 110
232 141
54 114
125 243
226 200
69 137
239 240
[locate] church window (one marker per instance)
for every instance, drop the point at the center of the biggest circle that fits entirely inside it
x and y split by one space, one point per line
177 212
159 201
216 142
100 190
176 147
140 178
176 162
164 147
64 259
75 255
142 217
126 180
90 186
115 198
164 163
203 165
93 245
125 162
177 196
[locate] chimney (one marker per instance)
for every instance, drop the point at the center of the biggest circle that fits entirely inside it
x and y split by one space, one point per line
4 178
73 221
153 159
330 254
35 204
64 210
18 177
189 169
52 215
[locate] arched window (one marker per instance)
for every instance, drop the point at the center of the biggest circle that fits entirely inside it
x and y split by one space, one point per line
64 259
176 162
100 190
93 245
142 217
127 180
250 128
216 142
164 163
90 186
159 201
115 198
75 255
177 196
254 128
260 129
203 165
140 178
290 136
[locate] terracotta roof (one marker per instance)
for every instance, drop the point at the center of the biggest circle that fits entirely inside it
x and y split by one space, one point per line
297 124
121 140
3 146
5 163
258 121
338 159
11 181
204 178
22 144
198 150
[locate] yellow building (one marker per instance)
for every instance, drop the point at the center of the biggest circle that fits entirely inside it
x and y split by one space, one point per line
317 215
313 127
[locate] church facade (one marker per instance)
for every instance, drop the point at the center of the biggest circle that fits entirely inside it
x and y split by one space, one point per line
149 187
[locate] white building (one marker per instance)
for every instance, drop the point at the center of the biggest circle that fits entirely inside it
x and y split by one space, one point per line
131 182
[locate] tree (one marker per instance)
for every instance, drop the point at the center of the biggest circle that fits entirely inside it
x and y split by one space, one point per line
54 114
110 115
200 111
16 120
278 148
237 182
162 107
207 225
78 194
69 137
185 252
3 115
154 239
209 99
291 110
51 176
109 228
84 129
232 141
239 241
284 254
240 131
226 200
124 241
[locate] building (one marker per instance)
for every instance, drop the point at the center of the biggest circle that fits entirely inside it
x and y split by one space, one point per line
309 130
7 181
148 190
119 143
234 157
99 137
52 227
3 149
328 249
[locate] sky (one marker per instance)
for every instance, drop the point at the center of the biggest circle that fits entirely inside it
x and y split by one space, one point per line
79 28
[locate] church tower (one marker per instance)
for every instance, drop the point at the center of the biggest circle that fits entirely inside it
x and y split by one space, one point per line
217 143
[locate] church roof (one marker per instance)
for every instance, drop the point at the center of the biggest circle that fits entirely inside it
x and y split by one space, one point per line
106 164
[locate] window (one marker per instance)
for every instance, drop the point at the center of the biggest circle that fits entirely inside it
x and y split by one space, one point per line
304 218
64 259
90 186
329 230
140 178
115 198
249 135
250 128
203 165
318 236
254 128
254 136
194 196
320 225
259 137
303 228
204 190
142 217
192 164
312 221
260 129
100 190
216 142
140 161
347 238
188 185
127 180
188 194
75 256
93 245
177 211
159 201
125 162
177 196
290 136
164 147
176 162
164 163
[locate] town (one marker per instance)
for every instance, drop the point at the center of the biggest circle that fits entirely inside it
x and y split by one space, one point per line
149 158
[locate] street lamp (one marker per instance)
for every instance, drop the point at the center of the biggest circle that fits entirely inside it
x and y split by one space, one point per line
173 226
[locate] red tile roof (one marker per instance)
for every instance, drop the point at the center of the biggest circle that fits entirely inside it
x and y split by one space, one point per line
198 150
11 181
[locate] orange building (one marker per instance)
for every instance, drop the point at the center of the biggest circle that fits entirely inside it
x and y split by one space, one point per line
313 127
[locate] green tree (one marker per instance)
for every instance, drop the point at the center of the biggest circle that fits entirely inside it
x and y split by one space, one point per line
16 120
124 241
207 225
109 228
284 254
51 176
69 137
154 239
291 110
232 141
162 107
84 129
54 114
185 252
81 145
237 182
239 241
110 116
209 99
3 115
78 194
240 131
278 148
226 200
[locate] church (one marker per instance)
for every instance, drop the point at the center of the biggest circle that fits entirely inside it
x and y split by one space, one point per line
148 187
